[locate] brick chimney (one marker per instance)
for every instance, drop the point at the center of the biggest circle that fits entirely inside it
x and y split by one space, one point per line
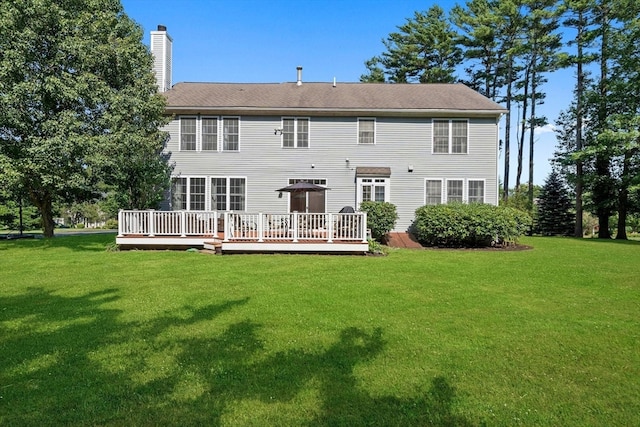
161 49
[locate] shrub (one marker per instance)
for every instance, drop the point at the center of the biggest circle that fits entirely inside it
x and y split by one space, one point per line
111 224
469 225
381 217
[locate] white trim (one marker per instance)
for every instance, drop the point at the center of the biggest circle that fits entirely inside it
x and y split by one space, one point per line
375 128
371 181
449 135
442 188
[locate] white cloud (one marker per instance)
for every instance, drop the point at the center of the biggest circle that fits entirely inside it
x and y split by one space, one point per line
548 128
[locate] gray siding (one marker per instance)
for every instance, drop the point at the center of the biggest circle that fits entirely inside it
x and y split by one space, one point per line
400 142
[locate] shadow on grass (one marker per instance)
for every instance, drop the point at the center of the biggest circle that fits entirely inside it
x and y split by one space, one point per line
72 361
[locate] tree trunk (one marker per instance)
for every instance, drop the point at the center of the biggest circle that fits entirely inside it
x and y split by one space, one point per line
507 132
532 135
523 129
578 231
623 197
45 206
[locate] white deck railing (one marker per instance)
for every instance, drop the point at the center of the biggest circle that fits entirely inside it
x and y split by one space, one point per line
236 226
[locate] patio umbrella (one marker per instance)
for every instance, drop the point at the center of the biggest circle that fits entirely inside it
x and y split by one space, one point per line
302 187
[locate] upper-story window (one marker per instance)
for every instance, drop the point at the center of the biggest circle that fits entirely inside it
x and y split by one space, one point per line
366 131
450 136
188 126
230 134
295 133
209 134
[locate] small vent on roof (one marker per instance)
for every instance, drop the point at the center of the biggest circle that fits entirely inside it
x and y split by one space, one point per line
299 83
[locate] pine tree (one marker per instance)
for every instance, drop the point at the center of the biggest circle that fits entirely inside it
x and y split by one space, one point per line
555 210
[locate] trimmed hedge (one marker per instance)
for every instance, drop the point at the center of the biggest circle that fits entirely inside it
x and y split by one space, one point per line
381 218
469 225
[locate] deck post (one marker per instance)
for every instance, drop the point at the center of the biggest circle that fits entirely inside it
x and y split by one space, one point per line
227 224
151 223
120 223
183 224
330 228
260 227
295 226
363 227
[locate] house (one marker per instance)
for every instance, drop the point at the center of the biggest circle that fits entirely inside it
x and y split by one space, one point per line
234 144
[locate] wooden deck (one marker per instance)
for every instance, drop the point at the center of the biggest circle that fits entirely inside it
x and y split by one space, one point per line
219 246
229 232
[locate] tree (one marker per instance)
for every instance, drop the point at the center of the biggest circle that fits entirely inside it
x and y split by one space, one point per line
76 87
424 50
555 210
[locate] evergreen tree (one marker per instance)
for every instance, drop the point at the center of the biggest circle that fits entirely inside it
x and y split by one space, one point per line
555 210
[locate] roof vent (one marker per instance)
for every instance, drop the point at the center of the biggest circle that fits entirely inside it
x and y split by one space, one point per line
299 83
162 28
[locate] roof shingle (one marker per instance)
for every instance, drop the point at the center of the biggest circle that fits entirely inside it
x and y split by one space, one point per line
325 97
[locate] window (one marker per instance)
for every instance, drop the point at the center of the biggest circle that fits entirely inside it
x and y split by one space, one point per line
230 134
373 190
179 194
208 193
433 191
476 191
228 194
209 134
219 194
366 131
236 194
295 133
450 136
454 190
187 133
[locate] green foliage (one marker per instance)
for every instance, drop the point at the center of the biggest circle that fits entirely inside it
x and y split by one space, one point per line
79 103
381 218
111 224
377 248
469 225
555 210
424 50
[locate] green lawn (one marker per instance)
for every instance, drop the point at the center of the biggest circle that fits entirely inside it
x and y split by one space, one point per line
548 336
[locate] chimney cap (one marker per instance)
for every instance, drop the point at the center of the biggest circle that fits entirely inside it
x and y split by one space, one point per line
162 28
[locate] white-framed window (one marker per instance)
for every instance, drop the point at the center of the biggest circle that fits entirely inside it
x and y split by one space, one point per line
366 131
199 193
450 136
475 191
455 190
373 190
209 133
295 132
230 134
188 133
432 191
228 193
179 194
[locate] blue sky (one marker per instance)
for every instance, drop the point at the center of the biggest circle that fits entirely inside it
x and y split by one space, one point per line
265 40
